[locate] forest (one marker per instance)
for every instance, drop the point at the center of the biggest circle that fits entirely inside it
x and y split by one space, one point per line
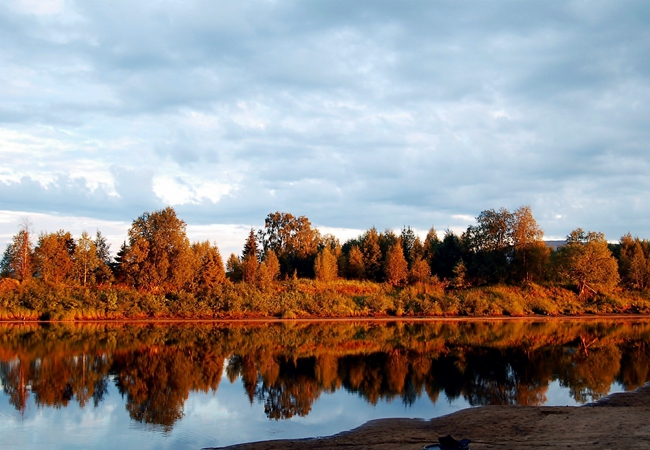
288 269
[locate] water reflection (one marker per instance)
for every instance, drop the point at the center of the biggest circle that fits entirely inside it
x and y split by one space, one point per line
285 368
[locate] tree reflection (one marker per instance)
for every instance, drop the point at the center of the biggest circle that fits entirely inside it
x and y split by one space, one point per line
287 368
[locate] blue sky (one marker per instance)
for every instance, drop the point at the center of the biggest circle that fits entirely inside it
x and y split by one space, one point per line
354 114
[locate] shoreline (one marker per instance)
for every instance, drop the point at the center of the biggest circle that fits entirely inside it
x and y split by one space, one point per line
537 318
617 421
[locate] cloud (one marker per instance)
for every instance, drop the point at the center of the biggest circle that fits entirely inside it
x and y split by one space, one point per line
352 113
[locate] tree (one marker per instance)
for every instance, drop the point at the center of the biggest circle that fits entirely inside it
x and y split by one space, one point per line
250 258
587 262
490 245
249 267
54 257
103 272
417 252
17 261
408 241
395 266
459 280
448 255
158 255
250 246
420 271
430 249
326 265
372 256
355 266
85 259
207 269
262 276
530 252
233 268
634 265
292 239
272 264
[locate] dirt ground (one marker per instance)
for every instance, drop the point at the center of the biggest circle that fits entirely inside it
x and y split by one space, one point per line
621 421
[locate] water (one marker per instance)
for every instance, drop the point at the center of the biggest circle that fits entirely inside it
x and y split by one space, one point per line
191 386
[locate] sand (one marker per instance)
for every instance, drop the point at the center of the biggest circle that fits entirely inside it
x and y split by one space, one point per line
620 421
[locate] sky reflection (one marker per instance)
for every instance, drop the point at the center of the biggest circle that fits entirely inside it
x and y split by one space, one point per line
210 419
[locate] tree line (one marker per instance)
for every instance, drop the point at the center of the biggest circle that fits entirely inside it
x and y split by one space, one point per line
503 248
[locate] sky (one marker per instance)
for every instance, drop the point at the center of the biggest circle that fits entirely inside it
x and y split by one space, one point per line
354 114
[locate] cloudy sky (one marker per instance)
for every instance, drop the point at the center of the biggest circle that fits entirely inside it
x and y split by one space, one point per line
354 114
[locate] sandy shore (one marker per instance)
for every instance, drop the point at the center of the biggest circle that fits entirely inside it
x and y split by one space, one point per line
621 421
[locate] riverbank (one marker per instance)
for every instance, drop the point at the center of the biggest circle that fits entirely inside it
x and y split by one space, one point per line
304 299
618 421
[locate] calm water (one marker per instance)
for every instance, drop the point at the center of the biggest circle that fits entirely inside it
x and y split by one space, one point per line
190 386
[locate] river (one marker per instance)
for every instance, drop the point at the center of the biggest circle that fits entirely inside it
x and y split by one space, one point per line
194 385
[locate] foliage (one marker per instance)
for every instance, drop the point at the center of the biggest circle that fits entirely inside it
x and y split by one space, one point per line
499 266
293 240
587 262
158 255
17 261
53 256
326 265
395 266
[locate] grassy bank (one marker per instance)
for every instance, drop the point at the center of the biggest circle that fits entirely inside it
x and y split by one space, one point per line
309 298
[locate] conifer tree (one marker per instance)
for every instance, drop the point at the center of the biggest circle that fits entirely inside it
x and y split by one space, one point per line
103 272
17 261
249 260
208 269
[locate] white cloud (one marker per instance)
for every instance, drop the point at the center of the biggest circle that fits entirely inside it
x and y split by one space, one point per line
354 114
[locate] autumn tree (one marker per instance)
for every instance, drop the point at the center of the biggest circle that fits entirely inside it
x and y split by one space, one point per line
334 245
355 265
420 272
17 261
293 240
158 256
505 245
272 264
634 264
530 254
372 256
85 259
53 256
326 265
587 262
262 276
207 271
233 268
250 258
395 265
430 247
